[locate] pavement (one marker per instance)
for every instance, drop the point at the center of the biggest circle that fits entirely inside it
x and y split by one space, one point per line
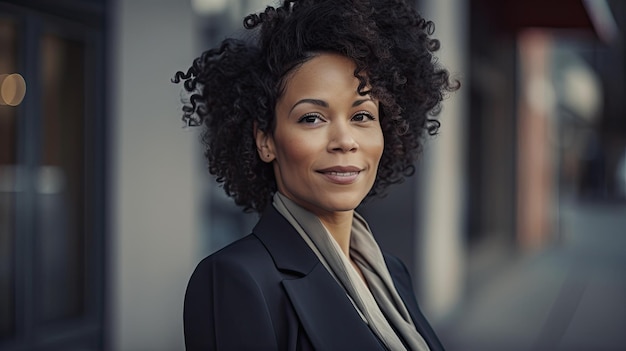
570 296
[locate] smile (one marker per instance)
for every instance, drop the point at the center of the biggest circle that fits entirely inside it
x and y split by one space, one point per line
341 176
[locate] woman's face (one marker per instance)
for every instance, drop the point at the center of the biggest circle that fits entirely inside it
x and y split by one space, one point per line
328 140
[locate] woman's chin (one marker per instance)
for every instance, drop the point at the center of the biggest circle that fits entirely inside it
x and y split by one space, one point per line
344 204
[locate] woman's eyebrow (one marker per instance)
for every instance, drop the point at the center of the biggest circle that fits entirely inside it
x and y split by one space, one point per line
323 103
360 102
310 101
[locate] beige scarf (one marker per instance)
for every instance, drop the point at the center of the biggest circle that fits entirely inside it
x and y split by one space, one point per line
380 306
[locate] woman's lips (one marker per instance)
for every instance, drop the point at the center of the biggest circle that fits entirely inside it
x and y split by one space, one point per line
341 175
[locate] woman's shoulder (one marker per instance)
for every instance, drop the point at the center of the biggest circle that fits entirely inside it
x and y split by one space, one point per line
245 257
227 291
238 253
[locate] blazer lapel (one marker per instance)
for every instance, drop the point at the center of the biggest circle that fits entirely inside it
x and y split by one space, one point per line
325 311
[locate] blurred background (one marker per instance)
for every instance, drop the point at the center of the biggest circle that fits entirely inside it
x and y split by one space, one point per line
514 225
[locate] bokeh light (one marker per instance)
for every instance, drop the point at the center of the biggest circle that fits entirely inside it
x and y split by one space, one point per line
12 89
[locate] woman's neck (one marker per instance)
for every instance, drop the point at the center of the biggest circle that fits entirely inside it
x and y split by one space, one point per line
339 224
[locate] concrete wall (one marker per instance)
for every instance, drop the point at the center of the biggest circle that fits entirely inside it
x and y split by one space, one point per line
153 219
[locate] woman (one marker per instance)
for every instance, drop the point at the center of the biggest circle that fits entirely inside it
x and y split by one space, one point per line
326 107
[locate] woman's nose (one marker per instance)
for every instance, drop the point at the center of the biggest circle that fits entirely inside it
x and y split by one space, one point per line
342 138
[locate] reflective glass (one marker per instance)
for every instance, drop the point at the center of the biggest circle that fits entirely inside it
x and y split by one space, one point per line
60 186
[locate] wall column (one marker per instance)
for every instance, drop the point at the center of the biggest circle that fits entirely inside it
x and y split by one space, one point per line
440 248
153 217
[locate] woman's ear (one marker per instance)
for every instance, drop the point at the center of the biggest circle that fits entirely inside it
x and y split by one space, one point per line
264 144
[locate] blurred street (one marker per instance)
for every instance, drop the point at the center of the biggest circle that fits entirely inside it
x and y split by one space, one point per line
570 296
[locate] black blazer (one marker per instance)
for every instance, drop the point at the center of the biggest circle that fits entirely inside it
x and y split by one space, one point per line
269 291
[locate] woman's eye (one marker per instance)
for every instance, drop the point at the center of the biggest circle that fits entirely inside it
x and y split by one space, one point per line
310 119
363 116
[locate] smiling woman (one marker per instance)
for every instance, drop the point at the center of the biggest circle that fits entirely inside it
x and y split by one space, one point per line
329 106
327 140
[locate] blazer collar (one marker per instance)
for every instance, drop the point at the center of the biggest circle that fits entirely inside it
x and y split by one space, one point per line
322 306
289 251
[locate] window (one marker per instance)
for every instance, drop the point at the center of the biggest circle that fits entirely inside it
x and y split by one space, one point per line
51 177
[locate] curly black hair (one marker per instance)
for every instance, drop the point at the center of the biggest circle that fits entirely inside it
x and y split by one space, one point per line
235 85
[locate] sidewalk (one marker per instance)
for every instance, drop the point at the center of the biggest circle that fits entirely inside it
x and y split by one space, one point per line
571 296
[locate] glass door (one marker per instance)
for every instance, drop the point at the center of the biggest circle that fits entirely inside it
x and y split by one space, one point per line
52 126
